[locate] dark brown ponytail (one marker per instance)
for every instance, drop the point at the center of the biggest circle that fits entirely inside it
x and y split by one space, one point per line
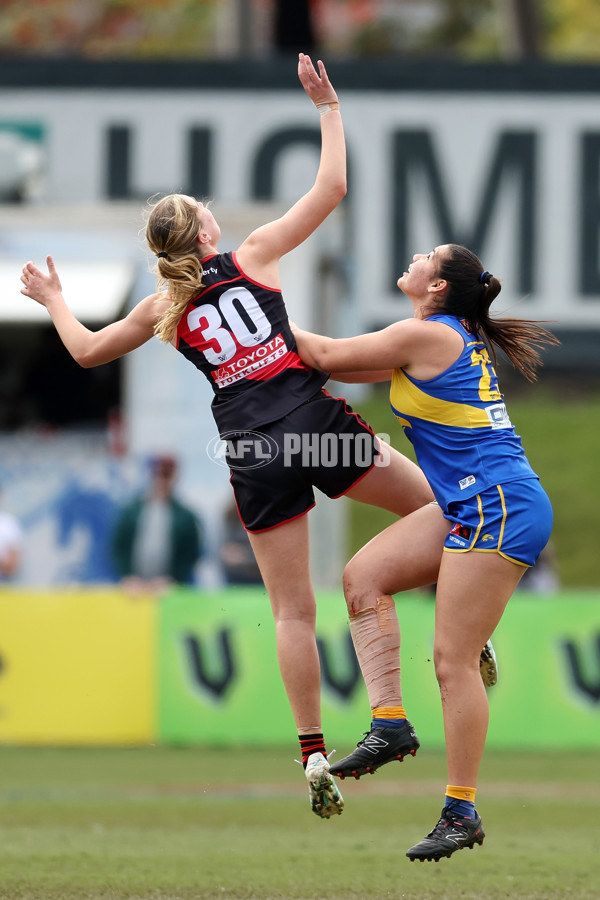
470 294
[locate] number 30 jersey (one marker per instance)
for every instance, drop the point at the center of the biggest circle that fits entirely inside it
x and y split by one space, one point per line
458 424
236 331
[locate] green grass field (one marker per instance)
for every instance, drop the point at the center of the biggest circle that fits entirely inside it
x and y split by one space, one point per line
177 824
559 428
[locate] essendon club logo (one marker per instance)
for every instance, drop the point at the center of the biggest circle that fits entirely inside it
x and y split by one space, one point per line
462 531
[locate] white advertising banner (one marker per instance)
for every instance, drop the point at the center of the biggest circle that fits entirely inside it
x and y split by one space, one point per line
514 176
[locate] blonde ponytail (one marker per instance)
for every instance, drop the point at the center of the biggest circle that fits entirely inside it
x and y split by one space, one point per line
171 232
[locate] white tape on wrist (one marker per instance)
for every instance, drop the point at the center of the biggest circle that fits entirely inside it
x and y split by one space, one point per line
324 108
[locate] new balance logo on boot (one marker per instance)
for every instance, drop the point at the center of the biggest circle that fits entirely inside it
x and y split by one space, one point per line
381 745
451 833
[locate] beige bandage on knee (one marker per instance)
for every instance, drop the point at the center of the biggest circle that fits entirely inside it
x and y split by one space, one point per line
376 637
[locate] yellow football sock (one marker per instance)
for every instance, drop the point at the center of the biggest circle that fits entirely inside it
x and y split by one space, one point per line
389 712
458 792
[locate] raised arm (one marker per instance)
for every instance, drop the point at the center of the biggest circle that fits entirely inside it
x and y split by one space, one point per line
272 241
90 348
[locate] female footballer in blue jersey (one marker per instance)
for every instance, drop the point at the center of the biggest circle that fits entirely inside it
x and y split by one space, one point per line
444 392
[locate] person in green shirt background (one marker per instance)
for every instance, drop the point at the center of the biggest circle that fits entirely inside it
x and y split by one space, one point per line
157 540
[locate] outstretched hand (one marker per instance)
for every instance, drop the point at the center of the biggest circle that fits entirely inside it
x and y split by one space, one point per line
39 286
316 84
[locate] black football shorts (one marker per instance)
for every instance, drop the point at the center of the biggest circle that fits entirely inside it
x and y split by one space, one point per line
322 443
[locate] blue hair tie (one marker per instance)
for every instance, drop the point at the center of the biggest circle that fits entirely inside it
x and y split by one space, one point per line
485 277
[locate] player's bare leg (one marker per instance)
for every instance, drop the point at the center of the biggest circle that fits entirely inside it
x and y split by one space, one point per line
403 556
282 555
465 618
398 485
395 483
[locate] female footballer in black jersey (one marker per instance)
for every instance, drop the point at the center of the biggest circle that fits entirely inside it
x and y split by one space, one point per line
225 313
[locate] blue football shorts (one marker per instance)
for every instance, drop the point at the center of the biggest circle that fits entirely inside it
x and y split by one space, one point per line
514 520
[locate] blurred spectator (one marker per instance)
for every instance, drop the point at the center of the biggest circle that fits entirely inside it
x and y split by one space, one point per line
236 557
157 540
11 545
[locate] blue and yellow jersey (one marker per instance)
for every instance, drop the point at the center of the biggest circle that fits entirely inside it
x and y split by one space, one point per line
458 424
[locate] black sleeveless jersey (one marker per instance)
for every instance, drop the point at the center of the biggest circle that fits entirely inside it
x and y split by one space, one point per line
236 332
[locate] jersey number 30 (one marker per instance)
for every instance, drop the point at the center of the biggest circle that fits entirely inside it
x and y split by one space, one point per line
238 309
